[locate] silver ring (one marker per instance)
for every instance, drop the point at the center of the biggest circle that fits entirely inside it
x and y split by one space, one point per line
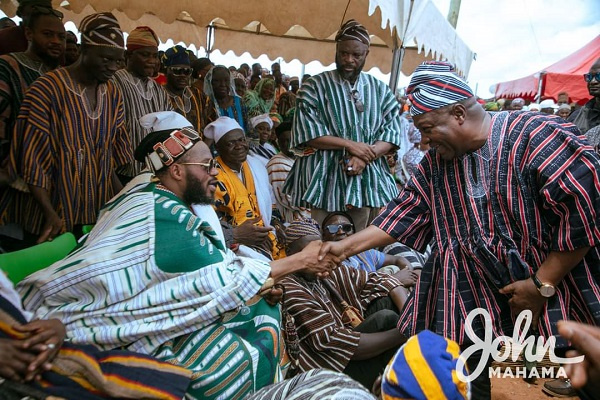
51 346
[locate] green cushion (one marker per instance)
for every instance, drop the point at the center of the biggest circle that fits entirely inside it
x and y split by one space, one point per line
19 264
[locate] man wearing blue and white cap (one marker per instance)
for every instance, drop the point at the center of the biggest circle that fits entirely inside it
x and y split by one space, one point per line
511 201
345 122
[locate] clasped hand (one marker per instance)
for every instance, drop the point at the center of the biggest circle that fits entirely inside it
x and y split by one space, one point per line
25 359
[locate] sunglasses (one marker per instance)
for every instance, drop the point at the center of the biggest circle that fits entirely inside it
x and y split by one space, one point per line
209 166
182 71
360 107
588 77
333 229
46 11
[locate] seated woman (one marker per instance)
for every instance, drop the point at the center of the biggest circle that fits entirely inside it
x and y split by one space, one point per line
36 362
260 100
339 225
263 150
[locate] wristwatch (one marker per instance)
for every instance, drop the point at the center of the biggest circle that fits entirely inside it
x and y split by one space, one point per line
545 289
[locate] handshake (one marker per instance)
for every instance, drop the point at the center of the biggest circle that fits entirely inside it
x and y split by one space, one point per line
319 258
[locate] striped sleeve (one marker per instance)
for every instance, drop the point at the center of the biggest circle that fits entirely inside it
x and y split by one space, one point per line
360 288
32 154
122 147
391 129
309 119
567 172
407 218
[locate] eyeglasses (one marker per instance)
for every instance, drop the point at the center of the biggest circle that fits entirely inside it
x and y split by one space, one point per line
46 11
183 71
333 229
360 107
209 166
588 77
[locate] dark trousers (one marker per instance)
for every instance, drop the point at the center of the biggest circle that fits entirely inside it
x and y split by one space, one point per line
481 387
381 315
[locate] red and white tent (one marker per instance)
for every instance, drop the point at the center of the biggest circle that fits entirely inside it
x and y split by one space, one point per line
565 75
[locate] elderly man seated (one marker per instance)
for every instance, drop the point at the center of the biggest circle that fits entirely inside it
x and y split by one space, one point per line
243 198
328 314
155 278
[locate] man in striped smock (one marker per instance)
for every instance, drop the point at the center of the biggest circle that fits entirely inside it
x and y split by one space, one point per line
70 135
155 277
512 203
345 122
141 94
18 71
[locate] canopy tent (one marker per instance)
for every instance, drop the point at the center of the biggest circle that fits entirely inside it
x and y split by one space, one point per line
565 75
302 30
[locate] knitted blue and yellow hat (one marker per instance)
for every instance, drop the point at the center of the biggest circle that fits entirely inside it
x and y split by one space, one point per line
424 368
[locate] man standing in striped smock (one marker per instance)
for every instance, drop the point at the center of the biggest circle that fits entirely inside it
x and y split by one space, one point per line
511 201
70 136
345 122
141 94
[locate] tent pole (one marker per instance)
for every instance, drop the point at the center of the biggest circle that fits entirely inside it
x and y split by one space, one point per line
540 88
397 57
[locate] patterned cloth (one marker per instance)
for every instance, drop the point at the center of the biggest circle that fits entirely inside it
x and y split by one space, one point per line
101 29
279 168
140 97
316 384
83 372
61 145
435 85
142 36
536 190
425 368
324 340
324 107
154 278
244 196
352 30
301 228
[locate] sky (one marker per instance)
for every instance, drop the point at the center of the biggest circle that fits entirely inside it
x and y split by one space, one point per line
511 39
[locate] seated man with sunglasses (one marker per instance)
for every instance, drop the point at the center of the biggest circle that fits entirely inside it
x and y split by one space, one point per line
588 116
345 322
339 225
155 277
187 100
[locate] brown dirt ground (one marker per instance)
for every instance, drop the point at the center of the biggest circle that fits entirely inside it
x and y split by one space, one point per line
517 388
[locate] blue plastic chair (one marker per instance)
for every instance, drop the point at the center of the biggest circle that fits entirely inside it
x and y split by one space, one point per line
19 264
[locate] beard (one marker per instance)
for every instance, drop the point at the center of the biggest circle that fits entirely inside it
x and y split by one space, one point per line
349 75
196 194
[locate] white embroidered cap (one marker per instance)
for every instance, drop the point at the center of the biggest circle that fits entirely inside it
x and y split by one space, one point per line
223 125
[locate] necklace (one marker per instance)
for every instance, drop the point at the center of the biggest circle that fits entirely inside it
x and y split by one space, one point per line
183 102
144 89
30 63
79 90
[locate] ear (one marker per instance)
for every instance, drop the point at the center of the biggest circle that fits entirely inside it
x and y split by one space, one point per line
28 34
459 111
176 172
